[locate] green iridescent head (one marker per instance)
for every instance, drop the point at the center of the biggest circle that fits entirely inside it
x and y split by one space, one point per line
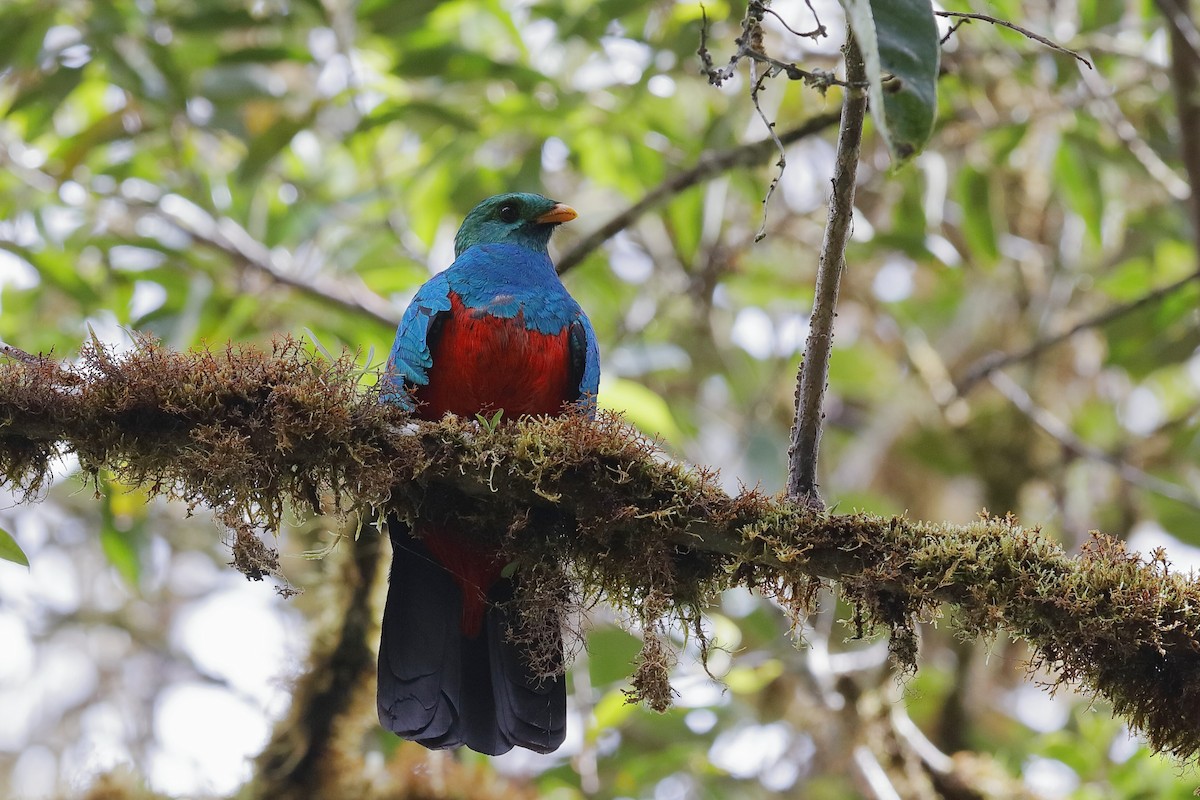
518 218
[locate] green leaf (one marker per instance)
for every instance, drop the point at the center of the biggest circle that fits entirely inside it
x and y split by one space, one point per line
40 98
388 18
899 38
122 521
490 425
611 653
1077 178
21 36
978 222
750 679
644 407
454 63
265 147
421 115
10 550
612 710
121 552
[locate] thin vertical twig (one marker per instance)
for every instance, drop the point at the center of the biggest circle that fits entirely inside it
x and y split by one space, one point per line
814 370
756 86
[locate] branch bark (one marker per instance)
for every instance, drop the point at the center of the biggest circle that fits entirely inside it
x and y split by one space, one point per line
313 751
814 369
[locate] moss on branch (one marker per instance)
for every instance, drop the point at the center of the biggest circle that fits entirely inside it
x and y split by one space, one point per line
250 432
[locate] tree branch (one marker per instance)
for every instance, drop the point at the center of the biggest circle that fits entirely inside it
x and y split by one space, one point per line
1110 111
249 432
224 235
987 365
220 234
1062 433
709 165
814 369
963 16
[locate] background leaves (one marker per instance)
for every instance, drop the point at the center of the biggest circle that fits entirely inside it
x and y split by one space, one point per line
228 170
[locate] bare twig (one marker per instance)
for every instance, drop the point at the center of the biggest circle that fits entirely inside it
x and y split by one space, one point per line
750 46
710 164
718 76
781 163
17 354
814 370
873 774
952 30
962 15
819 78
818 32
996 361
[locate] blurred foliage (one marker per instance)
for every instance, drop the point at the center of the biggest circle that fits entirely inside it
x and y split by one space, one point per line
209 170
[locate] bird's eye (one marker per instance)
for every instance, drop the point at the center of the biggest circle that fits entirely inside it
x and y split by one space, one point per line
509 212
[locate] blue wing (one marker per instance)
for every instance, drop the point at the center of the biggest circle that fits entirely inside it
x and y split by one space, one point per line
410 359
585 362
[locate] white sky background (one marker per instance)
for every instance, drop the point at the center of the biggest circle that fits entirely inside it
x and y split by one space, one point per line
245 641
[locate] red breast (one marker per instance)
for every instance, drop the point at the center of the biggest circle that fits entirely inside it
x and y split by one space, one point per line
483 363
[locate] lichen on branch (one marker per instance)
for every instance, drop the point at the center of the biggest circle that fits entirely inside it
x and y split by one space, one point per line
250 433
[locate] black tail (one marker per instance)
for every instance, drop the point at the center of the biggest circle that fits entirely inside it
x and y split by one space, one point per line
444 689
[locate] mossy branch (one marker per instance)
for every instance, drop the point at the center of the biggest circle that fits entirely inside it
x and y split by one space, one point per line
250 432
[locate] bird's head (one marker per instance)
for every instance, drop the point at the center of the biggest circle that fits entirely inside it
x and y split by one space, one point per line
519 218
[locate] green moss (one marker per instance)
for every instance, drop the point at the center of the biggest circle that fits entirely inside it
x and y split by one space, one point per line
592 508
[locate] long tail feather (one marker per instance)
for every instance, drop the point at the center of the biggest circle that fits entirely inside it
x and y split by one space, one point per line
443 688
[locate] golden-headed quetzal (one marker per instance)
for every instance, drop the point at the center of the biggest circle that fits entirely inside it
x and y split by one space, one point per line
496 331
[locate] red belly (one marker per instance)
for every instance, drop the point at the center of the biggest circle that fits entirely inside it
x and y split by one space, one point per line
482 364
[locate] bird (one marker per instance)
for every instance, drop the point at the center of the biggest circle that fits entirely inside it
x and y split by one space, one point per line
495 332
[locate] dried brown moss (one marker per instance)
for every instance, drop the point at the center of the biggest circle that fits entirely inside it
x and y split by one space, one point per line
250 432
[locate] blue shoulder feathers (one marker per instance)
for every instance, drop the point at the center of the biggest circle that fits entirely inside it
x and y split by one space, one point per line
500 280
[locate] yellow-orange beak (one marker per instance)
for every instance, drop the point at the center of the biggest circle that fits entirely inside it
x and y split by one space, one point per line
557 215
